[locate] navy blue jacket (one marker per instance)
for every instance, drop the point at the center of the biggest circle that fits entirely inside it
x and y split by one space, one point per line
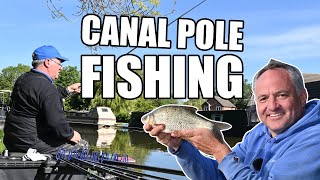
36 114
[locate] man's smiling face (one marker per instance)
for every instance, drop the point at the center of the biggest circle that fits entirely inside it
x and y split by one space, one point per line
278 104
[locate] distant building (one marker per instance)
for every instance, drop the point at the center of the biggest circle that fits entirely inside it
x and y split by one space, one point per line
217 104
312 83
251 112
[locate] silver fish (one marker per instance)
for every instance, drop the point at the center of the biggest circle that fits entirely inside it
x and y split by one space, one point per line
180 117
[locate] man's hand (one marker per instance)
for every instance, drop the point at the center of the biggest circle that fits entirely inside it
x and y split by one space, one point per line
211 143
163 138
76 137
74 88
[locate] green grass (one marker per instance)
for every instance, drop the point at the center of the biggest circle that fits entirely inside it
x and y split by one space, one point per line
2 146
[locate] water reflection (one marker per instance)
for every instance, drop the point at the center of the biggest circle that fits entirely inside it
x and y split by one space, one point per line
137 144
105 137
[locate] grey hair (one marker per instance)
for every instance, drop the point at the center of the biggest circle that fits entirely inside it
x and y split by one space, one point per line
294 74
36 63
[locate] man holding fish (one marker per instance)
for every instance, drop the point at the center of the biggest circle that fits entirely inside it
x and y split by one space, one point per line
285 145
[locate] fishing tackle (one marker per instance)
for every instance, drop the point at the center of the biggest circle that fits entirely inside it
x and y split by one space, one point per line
95 156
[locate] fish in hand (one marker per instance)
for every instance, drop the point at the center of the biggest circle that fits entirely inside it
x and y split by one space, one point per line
181 117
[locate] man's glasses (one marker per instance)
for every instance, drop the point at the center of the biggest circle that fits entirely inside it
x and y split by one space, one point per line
56 62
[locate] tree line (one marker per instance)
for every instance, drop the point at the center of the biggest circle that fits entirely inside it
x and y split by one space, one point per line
122 108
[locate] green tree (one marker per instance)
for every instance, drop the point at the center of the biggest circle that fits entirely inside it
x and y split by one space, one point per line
9 75
195 102
247 92
70 75
120 107
145 105
115 7
160 102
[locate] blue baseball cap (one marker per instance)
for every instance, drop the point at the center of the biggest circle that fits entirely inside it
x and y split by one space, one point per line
47 52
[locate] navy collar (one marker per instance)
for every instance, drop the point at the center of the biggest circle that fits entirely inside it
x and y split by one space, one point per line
35 70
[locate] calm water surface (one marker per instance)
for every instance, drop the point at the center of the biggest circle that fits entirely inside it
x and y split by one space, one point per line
136 143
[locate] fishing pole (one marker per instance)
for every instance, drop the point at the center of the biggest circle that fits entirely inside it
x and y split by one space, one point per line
110 171
81 169
175 20
120 172
149 168
111 159
104 163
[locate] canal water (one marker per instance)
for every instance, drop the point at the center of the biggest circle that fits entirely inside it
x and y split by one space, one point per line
135 143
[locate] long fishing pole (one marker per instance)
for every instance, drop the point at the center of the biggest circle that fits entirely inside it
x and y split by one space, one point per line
118 169
110 171
81 169
124 173
149 168
118 172
175 20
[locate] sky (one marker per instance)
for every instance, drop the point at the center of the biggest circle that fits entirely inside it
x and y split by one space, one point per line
285 30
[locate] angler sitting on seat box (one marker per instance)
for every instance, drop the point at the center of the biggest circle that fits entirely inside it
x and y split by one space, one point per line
36 119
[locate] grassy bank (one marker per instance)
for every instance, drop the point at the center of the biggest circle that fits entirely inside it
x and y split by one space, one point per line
2 147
